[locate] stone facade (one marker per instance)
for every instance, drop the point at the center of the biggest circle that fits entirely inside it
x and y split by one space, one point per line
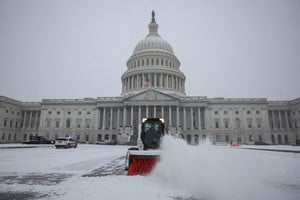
152 86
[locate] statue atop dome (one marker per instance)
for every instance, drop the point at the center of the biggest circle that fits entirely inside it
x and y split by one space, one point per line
153 16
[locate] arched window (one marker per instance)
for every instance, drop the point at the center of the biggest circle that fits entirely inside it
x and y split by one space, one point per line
273 139
99 137
152 61
106 137
143 63
286 139
157 62
147 62
189 139
279 139
196 138
161 62
138 63
114 137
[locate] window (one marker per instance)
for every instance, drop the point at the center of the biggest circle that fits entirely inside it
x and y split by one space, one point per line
237 112
250 138
227 138
87 126
3 136
216 112
57 124
216 124
16 125
87 138
18 113
249 125
58 112
88 112
225 112
10 124
68 123
78 125
79 112
248 112
217 138
9 136
5 123
48 123
49 112
259 125
69 112
257 112
99 137
260 138
12 112
15 137
237 123
226 124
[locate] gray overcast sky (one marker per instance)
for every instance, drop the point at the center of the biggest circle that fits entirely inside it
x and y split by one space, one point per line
77 49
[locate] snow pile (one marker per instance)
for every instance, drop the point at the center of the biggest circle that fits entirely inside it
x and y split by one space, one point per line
218 172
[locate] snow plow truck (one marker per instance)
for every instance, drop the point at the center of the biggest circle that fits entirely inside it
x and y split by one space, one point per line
141 160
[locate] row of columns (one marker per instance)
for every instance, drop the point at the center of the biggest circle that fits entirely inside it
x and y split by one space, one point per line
156 80
170 116
35 120
279 125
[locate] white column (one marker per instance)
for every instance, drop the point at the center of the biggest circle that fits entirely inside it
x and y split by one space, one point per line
286 120
177 116
131 116
161 80
118 119
170 116
103 120
192 119
273 119
155 77
162 111
25 118
184 118
124 116
280 122
132 82
139 116
147 110
30 119
111 118
97 119
167 80
143 80
154 111
199 119
41 119
36 119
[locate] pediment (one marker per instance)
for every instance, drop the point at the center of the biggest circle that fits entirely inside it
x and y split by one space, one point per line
151 95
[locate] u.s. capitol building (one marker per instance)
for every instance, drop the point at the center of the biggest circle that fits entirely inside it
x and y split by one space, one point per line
152 86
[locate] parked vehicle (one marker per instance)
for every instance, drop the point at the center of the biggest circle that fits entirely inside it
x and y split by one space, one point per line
38 140
65 142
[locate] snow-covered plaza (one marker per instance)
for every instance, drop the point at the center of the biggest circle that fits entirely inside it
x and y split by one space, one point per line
185 172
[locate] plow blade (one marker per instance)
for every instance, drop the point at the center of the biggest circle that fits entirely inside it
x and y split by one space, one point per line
141 162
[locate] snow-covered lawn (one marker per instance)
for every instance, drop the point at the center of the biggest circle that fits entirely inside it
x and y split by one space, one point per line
185 172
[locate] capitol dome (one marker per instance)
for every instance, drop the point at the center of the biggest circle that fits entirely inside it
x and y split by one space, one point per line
153 65
153 43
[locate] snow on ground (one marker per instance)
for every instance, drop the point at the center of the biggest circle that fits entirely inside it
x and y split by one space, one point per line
185 172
